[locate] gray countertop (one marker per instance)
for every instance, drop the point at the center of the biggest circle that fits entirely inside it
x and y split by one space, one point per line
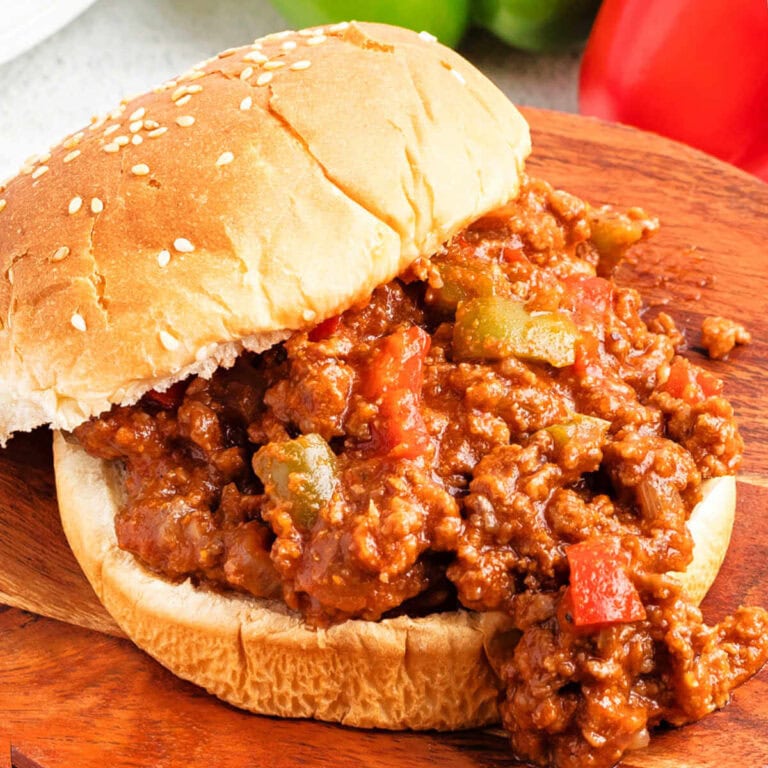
117 48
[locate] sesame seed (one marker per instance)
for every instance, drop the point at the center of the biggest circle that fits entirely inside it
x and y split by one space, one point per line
256 57
458 76
109 130
32 160
111 147
150 125
264 78
225 158
140 169
297 66
195 74
73 140
183 100
3 203
427 37
138 114
316 40
289 45
136 126
185 121
71 156
26 169
97 122
78 321
39 171
179 92
309 32
246 103
194 88
121 140
274 64
44 158
157 132
96 205
137 140
182 245
227 52
340 27
164 258
246 73
60 253
75 204
171 343
308 315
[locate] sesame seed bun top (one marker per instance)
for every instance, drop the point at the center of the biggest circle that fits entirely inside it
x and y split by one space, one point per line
262 191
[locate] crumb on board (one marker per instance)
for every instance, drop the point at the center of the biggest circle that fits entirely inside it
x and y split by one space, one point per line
719 336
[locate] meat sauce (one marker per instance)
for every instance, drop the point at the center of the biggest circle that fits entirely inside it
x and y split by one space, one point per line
497 429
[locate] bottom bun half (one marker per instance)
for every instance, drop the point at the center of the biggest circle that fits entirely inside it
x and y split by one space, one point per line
401 673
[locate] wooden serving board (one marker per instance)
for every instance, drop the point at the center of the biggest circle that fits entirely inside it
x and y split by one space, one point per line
73 692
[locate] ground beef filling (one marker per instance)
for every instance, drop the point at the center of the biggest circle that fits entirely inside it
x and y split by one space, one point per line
490 430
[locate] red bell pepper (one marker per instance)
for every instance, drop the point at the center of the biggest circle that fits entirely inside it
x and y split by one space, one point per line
326 329
589 300
600 590
170 398
394 382
689 383
693 70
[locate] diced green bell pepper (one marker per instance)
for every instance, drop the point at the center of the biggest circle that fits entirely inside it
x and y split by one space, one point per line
460 283
301 473
496 327
579 427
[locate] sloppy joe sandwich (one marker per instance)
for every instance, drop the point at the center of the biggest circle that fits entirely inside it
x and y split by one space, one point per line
353 422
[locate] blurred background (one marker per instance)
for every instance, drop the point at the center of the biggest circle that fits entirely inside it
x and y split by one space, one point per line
695 70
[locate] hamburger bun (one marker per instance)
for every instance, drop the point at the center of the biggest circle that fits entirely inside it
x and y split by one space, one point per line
259 193
435 672
261 199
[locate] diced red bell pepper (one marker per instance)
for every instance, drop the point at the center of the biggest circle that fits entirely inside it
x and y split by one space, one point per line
588 298
399 430
394 381
170 398
690 383
600 590
398 363
326 329
587 362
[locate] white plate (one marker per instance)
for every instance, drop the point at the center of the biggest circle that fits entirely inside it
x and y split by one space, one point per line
26 22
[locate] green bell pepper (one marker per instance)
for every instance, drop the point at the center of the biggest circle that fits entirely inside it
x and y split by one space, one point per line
460 283
537 25
496 327
580 427
446 19
300 473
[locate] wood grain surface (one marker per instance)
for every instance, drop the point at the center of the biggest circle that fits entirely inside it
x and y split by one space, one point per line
73 692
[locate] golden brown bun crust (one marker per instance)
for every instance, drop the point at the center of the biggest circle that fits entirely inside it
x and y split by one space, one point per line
397 673
301 183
